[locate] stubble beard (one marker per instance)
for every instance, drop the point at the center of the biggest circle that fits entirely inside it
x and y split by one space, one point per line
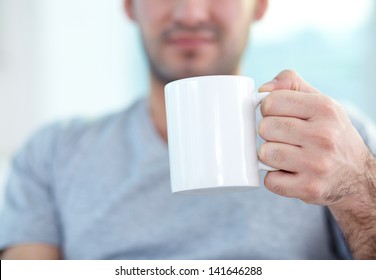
163 74
225 64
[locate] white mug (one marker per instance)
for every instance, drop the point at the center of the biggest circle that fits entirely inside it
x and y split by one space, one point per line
211 126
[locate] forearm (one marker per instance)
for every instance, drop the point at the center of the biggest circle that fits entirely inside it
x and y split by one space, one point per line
32 251
357 219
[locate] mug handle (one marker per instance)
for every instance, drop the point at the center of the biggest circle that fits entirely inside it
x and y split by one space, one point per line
258 99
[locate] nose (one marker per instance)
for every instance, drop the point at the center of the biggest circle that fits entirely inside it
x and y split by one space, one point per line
191 13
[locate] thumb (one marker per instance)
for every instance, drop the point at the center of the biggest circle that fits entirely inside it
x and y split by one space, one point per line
288 80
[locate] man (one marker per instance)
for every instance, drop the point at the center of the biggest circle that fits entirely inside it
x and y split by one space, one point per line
101 189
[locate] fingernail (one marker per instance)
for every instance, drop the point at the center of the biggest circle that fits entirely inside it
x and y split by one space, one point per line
261 152
269 86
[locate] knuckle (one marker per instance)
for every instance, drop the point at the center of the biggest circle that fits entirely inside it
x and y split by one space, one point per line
277 155
269 153
323 137
274 186
291 97
328 107
330 110
281 124
293 77
311 193
327 141
290 73
278 189
320 166
316 166
307 163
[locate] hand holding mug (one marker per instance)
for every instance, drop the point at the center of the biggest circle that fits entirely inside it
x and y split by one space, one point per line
311 138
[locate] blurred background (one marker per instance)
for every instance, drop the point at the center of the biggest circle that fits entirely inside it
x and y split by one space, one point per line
63 58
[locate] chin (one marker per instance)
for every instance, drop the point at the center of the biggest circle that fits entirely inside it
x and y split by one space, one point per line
197 71
175 72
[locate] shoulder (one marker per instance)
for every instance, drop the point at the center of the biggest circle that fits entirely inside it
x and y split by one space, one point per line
72 130
69 136
89 129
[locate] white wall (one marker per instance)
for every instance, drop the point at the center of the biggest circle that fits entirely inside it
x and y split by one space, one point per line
61 58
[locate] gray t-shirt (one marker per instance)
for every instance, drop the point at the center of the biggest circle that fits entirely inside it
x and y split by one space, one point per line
100 189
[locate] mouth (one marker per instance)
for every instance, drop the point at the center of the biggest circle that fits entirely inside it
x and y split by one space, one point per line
190 41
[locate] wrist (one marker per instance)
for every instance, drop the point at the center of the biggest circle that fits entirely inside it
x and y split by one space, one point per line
361 192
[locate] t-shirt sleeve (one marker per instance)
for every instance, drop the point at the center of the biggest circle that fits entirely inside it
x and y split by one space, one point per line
28 214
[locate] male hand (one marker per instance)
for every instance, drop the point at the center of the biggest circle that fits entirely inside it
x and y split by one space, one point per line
321 157
312 140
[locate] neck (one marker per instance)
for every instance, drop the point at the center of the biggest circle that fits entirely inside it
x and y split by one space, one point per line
157 107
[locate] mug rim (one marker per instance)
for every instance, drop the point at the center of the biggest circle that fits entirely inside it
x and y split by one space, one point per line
210 77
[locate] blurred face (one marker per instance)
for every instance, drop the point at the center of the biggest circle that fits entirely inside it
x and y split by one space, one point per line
184 38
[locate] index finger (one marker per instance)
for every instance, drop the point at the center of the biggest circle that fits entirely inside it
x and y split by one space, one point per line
288 103
288 80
